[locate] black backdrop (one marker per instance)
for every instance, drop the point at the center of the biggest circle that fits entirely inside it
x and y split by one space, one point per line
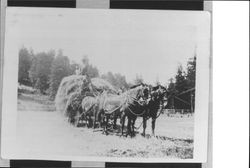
114 4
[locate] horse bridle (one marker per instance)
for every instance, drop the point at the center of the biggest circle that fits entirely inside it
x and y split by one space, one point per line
141 95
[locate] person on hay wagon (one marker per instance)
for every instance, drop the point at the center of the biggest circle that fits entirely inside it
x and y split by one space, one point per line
87 87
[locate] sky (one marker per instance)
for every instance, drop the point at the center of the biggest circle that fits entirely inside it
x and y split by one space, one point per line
130 42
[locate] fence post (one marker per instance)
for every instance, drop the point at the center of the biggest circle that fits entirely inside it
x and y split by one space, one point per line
191 99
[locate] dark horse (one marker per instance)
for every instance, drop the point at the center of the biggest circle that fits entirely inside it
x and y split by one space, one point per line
156 102
134 107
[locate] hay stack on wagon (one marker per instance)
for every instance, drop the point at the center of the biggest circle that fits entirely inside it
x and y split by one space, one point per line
71 87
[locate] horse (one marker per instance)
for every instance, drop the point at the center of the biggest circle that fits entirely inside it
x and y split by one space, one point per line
73 108
89 104
136 101
111 106
108 106
156 102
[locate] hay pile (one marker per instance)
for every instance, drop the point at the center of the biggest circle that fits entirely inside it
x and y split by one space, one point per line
71 85
73 107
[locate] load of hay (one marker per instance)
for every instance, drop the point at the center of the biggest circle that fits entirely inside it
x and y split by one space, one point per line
71 91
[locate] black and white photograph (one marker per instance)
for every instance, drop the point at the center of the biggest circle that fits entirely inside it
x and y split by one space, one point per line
106 85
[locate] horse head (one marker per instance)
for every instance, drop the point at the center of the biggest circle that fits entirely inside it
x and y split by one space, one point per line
158 93
142 93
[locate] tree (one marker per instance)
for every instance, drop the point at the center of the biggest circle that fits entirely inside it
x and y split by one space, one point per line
181 100
40 70
138 79
171 86
180 80
110 78
191 69
182 95
171 92
25 60
117 80
121 81
59 69
157 82
74 67
89 69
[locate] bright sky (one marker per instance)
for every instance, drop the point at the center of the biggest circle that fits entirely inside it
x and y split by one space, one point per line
149 43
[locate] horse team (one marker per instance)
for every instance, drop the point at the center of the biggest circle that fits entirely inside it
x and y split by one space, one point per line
103 109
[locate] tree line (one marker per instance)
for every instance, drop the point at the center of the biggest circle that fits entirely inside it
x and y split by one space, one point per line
181 88
45 70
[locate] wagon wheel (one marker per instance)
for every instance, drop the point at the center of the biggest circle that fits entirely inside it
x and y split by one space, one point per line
77 118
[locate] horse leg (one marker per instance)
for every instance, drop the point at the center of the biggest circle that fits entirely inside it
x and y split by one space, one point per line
84 119
153 126
90 121
102 115
133 126
96 114
129 127
99 117
77 118
115 119
87 120
80 116
144 125
106 125
123 122
94 122
105 122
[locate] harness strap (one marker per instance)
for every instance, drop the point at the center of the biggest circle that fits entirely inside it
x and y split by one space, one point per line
135 113
87 110
113 110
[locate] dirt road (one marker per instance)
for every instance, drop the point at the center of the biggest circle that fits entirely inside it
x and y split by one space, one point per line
47 131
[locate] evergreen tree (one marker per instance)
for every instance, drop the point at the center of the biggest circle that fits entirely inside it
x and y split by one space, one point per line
74 67
191 73
180 80
191 69
171 92
181 100
157 82
121 81
25 60
40 70
138 79
117 80
110 78
59 69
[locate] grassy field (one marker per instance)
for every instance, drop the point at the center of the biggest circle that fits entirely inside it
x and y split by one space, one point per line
42 129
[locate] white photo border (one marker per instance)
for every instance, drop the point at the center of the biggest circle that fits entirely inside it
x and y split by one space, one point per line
10 75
